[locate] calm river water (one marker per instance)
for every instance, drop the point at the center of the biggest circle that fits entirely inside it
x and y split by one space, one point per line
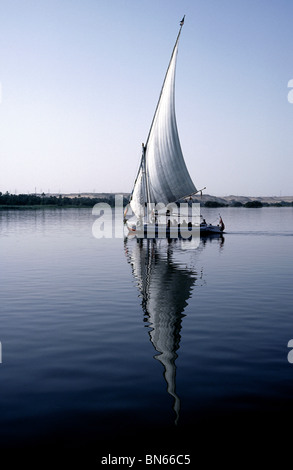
114 346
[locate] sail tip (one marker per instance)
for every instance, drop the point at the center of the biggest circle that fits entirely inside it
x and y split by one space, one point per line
182 21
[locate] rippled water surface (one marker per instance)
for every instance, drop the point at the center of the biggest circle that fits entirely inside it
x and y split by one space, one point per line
111 344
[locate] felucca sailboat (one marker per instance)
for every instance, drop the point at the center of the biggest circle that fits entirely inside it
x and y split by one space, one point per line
163 179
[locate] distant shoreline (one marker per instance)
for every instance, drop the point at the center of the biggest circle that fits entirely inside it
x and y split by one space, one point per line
88 200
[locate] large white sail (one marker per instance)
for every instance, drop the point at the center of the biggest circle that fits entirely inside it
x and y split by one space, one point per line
167 178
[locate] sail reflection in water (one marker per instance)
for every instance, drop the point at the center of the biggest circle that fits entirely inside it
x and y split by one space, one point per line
165 287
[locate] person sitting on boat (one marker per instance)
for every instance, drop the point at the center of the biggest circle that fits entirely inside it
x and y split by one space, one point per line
221 224
154 216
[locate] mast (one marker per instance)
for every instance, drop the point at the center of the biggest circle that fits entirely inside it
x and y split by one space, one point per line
174 48
146 183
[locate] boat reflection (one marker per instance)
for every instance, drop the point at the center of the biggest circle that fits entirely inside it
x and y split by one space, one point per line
165 275
212 238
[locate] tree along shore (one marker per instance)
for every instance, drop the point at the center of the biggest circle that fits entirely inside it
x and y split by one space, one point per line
36 201
10 201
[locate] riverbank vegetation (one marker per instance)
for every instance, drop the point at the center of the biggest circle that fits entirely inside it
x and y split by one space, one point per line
36 201
249 204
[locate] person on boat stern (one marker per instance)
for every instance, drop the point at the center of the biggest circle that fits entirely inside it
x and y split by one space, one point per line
221 224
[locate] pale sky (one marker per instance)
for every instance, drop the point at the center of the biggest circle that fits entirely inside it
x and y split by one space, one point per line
80 81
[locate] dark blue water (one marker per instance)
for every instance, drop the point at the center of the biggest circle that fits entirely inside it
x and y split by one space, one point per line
114 346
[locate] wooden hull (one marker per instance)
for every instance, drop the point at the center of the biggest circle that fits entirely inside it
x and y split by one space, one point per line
163 231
